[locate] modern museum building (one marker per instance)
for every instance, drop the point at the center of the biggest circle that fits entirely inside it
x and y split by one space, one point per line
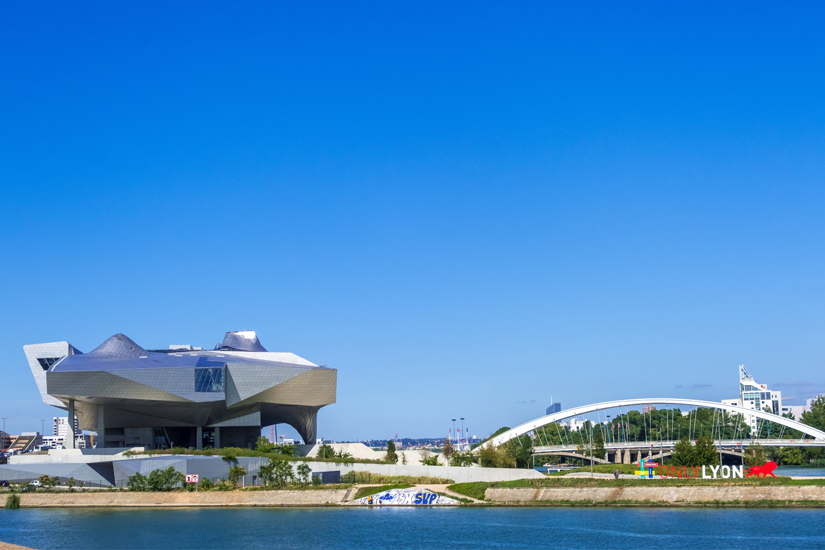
183 396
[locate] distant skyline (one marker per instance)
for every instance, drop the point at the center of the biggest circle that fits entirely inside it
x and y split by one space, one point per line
463 208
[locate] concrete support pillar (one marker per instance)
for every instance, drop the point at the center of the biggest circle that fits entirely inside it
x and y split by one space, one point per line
101 428
626 457
199 437
617 459
69 442
217 437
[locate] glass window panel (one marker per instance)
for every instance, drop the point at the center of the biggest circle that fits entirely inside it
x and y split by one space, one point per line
209 380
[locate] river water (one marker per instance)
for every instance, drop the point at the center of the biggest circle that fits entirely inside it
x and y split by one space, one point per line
402 528
805 471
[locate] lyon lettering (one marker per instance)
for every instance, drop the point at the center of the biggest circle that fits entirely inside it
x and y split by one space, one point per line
692 472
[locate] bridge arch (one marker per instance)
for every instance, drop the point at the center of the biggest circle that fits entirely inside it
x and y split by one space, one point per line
585 409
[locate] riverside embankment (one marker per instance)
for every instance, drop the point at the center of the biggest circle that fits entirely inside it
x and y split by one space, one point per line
806 495
729 495
54 499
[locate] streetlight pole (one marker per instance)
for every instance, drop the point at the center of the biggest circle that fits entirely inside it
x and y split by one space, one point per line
462 431
453 438
591 451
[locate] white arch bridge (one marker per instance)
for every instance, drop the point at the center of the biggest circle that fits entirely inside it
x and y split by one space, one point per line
818 436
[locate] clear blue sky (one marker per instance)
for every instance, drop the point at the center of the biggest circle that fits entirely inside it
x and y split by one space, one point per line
464 208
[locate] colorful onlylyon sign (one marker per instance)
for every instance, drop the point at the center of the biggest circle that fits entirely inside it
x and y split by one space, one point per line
692 472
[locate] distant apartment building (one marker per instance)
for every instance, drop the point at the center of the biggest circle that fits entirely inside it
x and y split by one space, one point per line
574 424
810 401
553 408
61 426
758 397
82 441
799 410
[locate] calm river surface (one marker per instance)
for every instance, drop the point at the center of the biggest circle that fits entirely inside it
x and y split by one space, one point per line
401 528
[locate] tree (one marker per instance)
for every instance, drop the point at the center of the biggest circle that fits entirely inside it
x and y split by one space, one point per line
286 449
792 455
326 451
235 473
462 459
704 452
755 455
277 472
520 449
816 416
206 484
448 449
404 458
490 456
45 481
164 480
598 445
70 483
683 453
267 473
137 482
283 472
264 445
304 472
391 455
229 458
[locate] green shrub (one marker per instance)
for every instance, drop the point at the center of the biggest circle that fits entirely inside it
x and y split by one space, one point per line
304 473
264 445
326 451
12 502
206 484
462 459
158 480
137 482
235 473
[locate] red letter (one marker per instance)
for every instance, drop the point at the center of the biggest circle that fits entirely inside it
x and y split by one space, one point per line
662 471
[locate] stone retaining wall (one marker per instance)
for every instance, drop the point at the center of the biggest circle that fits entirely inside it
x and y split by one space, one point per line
674 495
315 497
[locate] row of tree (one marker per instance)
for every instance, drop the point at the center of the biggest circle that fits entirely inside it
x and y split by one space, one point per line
277 472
